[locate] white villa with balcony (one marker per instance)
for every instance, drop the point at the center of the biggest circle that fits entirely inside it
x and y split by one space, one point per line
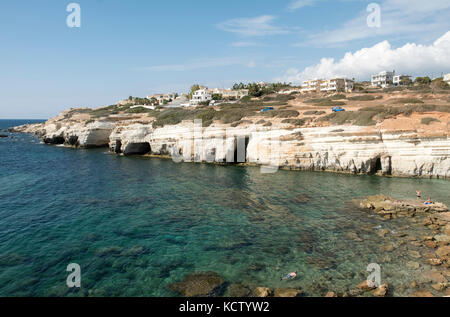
309 86
383 79
201 95
337 84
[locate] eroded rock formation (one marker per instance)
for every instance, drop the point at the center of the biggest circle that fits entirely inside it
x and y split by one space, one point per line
348 149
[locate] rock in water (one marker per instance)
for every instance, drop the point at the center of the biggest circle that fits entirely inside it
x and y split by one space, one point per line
198 284
286 292
381 291
237 290
261 292
3 136
422 294
365 286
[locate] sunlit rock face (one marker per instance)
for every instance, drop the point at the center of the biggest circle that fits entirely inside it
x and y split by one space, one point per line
348 149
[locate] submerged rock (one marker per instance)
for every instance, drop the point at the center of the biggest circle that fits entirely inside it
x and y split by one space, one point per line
443 251
433 277
413 265
422 294
3 135
237 290
198 284
261 292
286 292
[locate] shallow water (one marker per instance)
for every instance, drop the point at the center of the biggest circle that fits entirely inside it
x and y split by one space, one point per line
136 224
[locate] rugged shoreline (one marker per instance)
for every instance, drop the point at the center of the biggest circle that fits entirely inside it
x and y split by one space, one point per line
341 149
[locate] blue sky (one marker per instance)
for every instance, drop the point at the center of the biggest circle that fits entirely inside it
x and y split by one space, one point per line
140 47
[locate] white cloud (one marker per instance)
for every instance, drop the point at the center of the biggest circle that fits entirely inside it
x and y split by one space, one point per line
197 64
298 4
399 18
411 58
257 26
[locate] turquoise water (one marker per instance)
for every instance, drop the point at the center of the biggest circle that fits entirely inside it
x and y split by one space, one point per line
136 224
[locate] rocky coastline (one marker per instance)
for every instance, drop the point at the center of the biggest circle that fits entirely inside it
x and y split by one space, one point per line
342 149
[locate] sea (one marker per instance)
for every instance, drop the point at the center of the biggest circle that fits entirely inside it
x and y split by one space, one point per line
135 225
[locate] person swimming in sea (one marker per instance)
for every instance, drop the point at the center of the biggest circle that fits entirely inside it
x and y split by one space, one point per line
289 276
419 194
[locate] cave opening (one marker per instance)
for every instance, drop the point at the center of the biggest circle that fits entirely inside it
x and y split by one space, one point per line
140 148
240 149
378 166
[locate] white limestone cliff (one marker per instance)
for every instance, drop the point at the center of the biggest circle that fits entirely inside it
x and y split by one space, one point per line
349 149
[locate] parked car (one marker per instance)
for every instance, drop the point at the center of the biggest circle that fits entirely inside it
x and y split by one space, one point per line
267 109
338 109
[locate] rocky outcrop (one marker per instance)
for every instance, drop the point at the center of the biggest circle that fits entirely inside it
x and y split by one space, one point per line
79 134
389 207
198 284
346 149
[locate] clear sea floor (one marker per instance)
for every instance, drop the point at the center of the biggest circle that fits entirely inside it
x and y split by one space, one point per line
135 225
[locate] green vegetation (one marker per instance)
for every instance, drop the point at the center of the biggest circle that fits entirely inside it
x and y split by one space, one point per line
439 83
297 122
362 98
429 120
408 100
314 113
235 124
105 111
338 97
366 116
325 102
281 114
422 80
216 97
194 88
257 90
361 118
330 103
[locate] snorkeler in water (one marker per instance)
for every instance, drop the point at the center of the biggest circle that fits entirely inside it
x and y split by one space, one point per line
290 276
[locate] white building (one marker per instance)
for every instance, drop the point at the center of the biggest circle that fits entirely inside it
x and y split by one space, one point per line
402 80
229 93
447 78
201 95
383 79
337 85
309 86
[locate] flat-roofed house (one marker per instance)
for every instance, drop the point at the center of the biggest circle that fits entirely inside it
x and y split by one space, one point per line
229 93
310 86
201 95
383 79
336 85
